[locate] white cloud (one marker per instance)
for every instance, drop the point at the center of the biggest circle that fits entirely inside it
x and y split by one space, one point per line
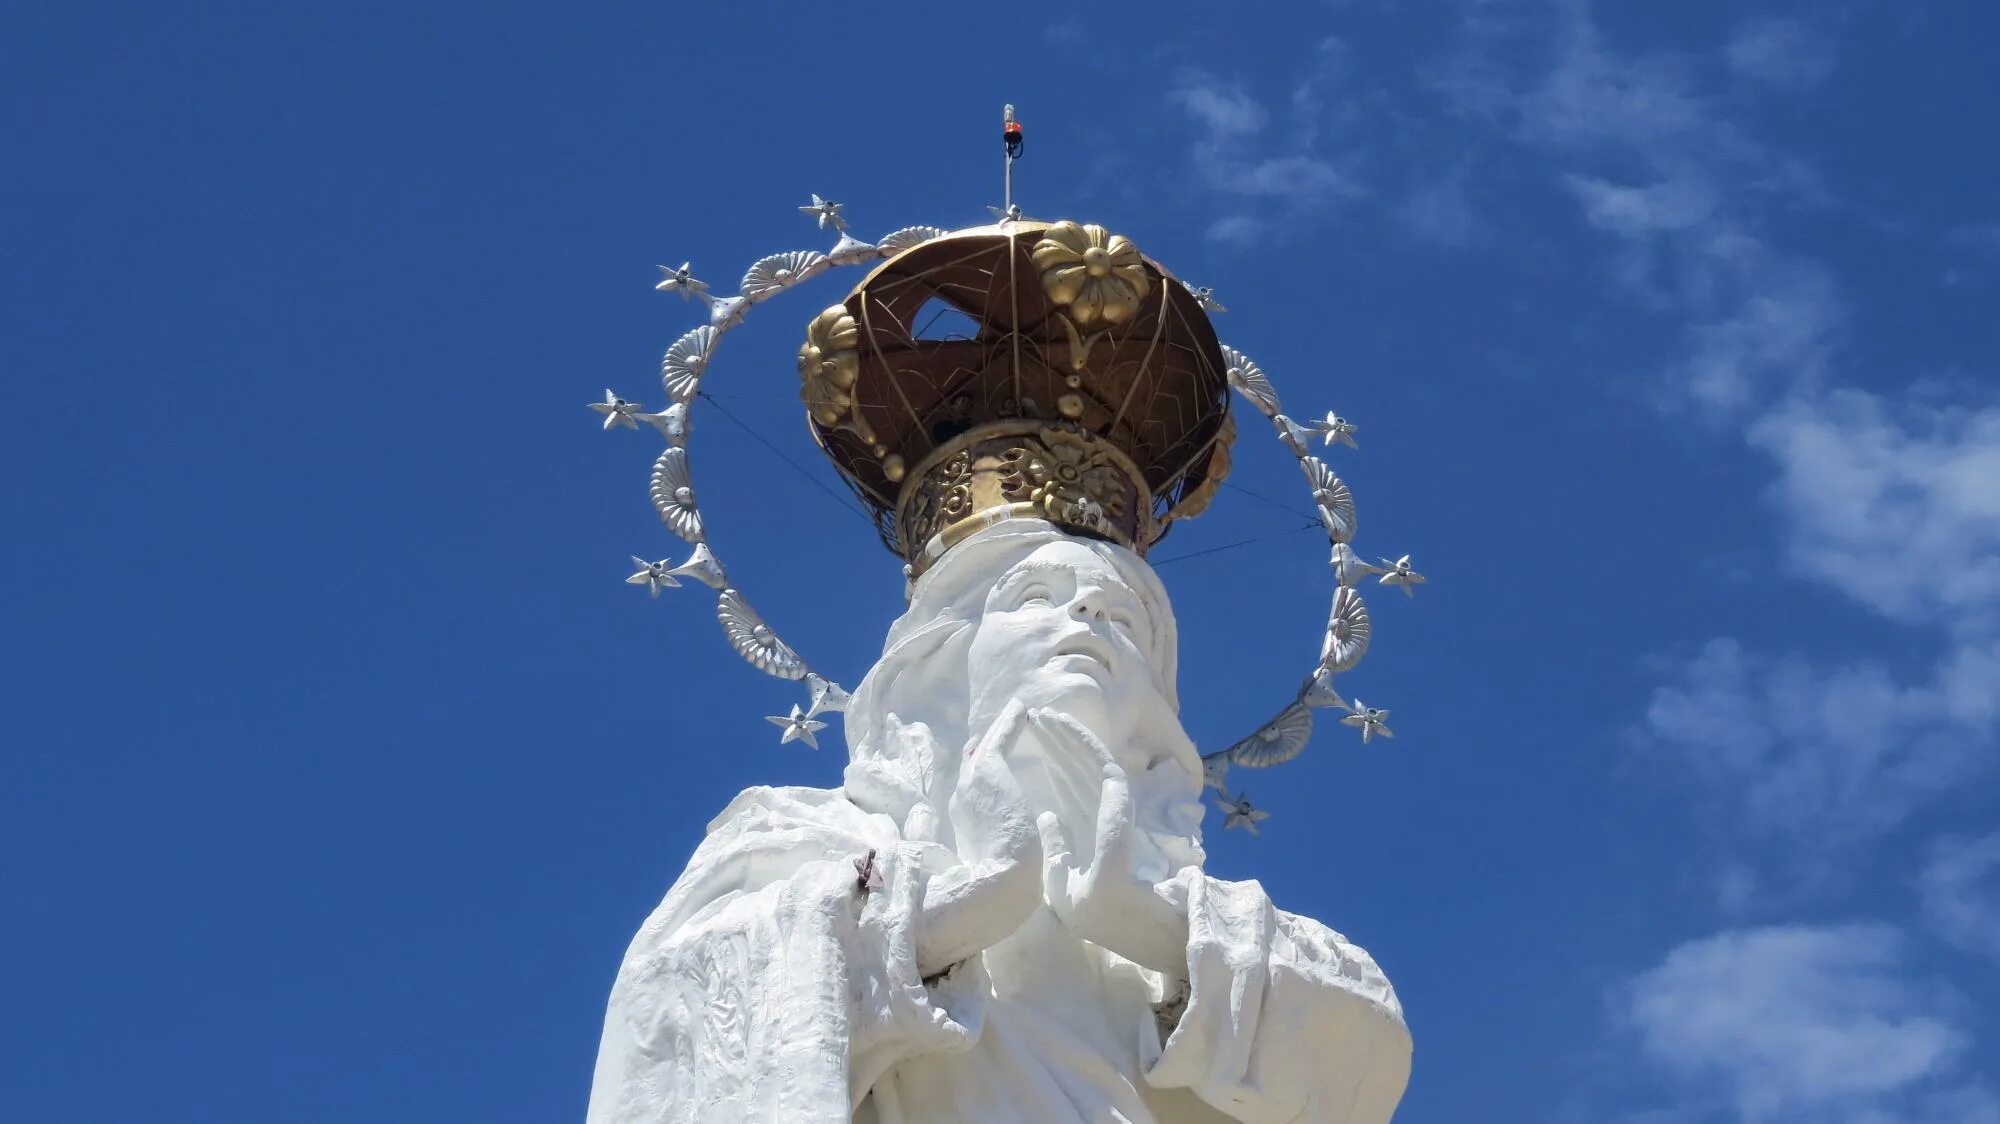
1897 507
1225 111
1770 322
1817 758
1680 208
1265 180
1802 1023
1961 893
1635 212
1780 52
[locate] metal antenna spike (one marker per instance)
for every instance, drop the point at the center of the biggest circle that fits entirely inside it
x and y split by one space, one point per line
1011 130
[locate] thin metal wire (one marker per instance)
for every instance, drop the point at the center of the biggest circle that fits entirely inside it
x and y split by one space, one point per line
780 454
1239 543
1280 505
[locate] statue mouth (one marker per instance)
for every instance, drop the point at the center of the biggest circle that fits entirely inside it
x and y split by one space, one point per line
1084 646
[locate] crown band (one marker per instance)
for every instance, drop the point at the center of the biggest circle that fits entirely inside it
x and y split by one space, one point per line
1056 471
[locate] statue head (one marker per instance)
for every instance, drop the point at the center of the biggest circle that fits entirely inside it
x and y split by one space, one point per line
1065 628
1022 611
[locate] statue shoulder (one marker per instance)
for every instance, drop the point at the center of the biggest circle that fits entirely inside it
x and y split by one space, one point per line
1310 947
764 803
765 836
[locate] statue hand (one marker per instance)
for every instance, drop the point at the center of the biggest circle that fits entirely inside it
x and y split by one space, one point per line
1101 898
983 900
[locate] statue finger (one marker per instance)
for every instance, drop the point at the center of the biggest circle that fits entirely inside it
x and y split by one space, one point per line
1114 824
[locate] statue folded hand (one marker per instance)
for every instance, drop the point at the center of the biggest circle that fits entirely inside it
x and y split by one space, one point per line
976 905
1100 897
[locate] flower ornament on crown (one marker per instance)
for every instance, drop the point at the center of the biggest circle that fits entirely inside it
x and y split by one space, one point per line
1093 395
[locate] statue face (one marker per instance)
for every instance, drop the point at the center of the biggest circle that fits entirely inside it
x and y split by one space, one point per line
1062 629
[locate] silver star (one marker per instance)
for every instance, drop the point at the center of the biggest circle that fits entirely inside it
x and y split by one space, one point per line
1205 297
1398 573
682 281
1334 428
655 576
827 696
1348 568
1239 812
617 411
1368 720
798 726
828 213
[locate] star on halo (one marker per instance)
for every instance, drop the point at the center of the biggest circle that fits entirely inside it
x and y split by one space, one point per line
1334 428
1239 812
655 576
617 411
798 726
1369 721
1398 573
827 212
682 281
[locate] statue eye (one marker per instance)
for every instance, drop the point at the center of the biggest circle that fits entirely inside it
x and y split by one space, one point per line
1035 594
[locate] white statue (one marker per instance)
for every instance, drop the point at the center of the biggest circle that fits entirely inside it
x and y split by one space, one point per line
1000 916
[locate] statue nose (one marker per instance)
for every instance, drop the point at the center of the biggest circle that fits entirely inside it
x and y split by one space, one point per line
1088 605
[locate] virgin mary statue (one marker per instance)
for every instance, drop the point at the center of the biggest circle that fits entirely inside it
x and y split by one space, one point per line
1000 916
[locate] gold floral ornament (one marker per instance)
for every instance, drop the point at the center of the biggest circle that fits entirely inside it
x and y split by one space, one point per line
1068 477
829 365
1099 276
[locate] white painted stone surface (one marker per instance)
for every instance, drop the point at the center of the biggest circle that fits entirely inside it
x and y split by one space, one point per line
1034 941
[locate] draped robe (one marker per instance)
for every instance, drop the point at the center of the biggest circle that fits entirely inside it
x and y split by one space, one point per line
774 983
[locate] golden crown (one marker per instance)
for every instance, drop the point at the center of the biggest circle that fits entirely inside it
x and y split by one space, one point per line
1081 383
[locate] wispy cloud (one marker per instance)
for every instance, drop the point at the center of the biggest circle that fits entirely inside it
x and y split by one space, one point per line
1655 163
1776 51
1896 506
1805 1023
1816 758
1961 893
1263 176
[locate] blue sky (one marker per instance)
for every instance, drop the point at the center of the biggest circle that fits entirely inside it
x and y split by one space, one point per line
337 765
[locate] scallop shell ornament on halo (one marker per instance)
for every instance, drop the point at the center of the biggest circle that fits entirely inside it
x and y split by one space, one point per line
1347 632
1250 381
686 361
895 242
673 495
754 640
771 276
1278 741
1336 503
